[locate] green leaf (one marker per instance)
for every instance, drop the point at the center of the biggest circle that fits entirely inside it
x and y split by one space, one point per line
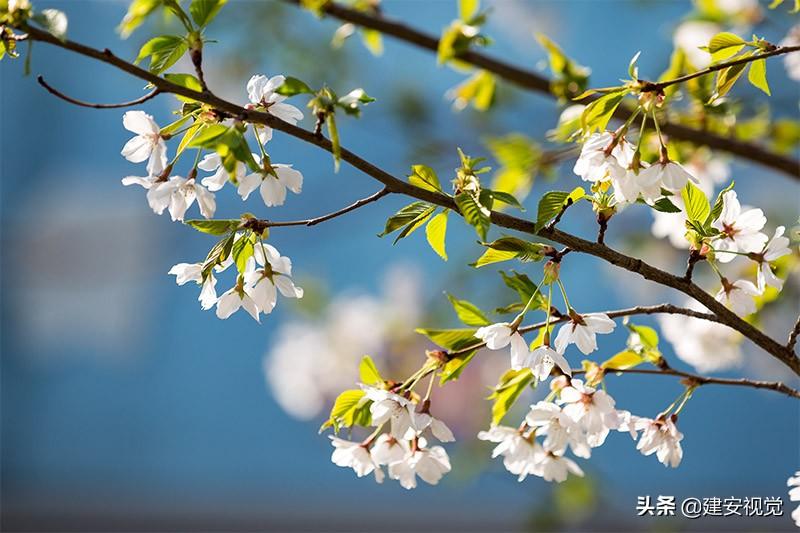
436 231
508 389
292 86
241 251
53 21
491 256
344 409
476 214
424 177
525 289
373 41
697 206
757 75
204 11
415 224
665 205
453 368
218 254
507 199
138 11
468 312
726 78
214 227
467 9
647 335
368 373
724 45
523 250
551 203
598 113
450 339
171 128
404 217
185 80
478 89
716 211
163 51
623 360
208 136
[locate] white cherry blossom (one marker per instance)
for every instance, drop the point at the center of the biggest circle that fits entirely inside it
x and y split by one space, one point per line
776 248
438 428
792 61
668 174
272 182
186 272
521 455
387 450
430 464
273 276
235 298
741 229
738 296
543 359
261 91
554 467
596 163
560 429
794 495
355 455
592 409
498 336
582 330
147 144
661 437
390 407
220 176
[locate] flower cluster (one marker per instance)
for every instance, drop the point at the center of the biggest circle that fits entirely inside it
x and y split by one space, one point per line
403 450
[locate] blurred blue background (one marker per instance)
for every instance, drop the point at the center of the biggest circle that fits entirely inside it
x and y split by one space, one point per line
124 406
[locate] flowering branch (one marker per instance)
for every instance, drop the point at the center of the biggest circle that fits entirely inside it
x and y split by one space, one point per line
314 221
59 94
395 185
532 81
695 379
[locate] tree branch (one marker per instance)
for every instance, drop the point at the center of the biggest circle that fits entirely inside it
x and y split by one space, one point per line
395 185
55 92
793 335
530 80
314 221
696 379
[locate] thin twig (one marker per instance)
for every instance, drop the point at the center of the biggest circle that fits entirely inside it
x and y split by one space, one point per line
793 335
533 81
696 379
152 94
694 257
602 222
314 221
647 271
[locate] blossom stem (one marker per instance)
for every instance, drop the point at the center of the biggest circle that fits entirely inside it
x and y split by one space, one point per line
715 268
518 320
687 394
658 130
564 294
430 387
641 133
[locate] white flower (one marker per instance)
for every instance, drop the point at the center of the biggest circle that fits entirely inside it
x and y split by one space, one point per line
629 185
662 438
627 422
691 35
777 247
273 183
237 297
498 336
792 61
542 361
430 464
186 272
261 91
581 330
561 430
738 296
592 409
354 455
393 408
147 144
794 495
213 163
521 455
596 163
14 5
668 174
275 274
388 450
176 194
707 346
555 467
438 428
741 231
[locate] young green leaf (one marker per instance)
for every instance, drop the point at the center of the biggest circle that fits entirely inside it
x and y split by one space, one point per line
598 113
507 199
204 11
623 360
163 51
727 77
138 11
344 409
467 9
241 251
424 177
292 86
185 80
450 339
697 206
405 216
373 41
716 211
665 205
491 256
455 366
551 204
525 289
508 389
436 231
476 214
647 335
468 312
214 227
368 373
757 75
724 45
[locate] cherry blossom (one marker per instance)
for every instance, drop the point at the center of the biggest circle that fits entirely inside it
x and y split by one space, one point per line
741 230
592 409
543 359
220 176
272 181
582 330
794 495
666 173
390 407
438 428
355 455
776 248
387 450
521 455
599 161
498 336
554 467
261 91
661 437
186 272
147 144
273 276
792 61
561 430
430 464
738 296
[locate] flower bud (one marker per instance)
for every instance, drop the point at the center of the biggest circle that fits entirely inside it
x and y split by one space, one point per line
551 269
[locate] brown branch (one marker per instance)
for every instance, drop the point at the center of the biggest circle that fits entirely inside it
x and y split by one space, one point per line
395 185
696 379
152 94
793 335
639 310
532 81
659 86
314 221
694 258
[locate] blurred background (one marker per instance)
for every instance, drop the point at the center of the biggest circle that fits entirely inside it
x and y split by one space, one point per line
126 407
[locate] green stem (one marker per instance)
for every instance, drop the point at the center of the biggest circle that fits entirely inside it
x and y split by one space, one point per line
564 294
